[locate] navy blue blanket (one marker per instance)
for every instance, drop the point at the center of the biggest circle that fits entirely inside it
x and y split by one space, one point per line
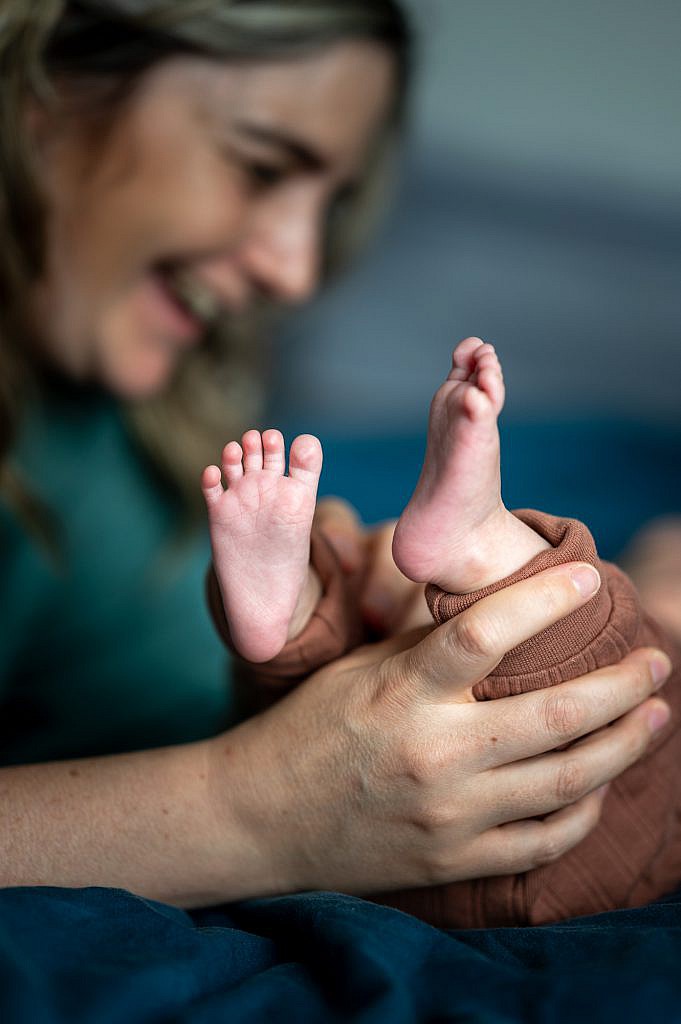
104 956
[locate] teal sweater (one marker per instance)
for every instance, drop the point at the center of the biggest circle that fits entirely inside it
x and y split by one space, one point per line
113 650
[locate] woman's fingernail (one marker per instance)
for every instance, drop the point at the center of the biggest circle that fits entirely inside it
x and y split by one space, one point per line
660 667
658 717
602 790
586 580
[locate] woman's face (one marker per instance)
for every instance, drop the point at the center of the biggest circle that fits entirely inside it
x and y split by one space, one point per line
210 190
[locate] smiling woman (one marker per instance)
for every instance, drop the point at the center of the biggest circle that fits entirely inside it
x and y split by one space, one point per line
181 196
209 192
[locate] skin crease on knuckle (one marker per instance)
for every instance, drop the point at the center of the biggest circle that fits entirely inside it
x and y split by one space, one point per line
437 864
426 758
525 846
478 635
571 781
551 848
559 838
630 678
641 682
444 832
564 714
392 687
561 716
633 738
555 600
473 638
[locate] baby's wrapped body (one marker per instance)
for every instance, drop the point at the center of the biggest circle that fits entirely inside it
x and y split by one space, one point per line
634 853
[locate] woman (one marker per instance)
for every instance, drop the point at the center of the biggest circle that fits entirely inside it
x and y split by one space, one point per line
171 170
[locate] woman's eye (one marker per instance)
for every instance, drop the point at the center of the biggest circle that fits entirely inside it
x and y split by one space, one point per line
347 195
341 201
266 175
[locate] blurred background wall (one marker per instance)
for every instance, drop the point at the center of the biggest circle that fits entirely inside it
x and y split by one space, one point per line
539 207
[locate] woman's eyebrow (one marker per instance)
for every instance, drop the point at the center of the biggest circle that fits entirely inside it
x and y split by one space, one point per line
297 148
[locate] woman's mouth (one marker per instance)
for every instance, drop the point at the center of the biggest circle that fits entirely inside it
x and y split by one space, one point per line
185 306
193 295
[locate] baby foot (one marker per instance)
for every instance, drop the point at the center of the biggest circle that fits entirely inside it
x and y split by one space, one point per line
260 535
456 531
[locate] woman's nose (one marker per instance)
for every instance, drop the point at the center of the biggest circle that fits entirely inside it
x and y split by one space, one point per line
282 255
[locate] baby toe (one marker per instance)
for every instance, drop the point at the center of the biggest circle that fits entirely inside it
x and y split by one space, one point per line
305 459
274 451
211 485
463 358
232 464
251 443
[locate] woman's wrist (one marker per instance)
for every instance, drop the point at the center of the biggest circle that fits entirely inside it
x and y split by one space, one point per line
247 813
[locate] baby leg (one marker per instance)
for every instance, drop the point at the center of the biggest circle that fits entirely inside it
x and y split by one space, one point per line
456 531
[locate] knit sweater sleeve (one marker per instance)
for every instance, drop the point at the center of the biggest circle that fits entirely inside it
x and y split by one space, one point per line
599 633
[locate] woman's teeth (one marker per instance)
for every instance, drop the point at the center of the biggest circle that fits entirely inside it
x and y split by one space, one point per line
199 300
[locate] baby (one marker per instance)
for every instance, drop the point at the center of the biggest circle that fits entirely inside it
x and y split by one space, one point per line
456 535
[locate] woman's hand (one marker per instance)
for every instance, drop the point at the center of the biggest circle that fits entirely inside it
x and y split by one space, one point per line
381 772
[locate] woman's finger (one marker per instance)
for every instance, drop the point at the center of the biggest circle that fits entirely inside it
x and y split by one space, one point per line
540 785
535 722
529 844
342 527
461 652
415 612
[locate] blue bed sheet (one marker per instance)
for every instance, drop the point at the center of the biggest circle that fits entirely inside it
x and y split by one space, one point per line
107 957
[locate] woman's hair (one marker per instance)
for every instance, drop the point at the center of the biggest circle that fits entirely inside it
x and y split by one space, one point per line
100 48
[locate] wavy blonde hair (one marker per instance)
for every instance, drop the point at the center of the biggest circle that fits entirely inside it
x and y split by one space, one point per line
107 45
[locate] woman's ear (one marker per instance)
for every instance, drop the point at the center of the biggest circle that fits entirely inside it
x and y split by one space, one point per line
39 124
44 128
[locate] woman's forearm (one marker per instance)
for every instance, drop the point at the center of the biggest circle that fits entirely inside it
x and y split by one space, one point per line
157 822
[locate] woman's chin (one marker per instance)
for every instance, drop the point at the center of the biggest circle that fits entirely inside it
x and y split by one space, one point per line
141 373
